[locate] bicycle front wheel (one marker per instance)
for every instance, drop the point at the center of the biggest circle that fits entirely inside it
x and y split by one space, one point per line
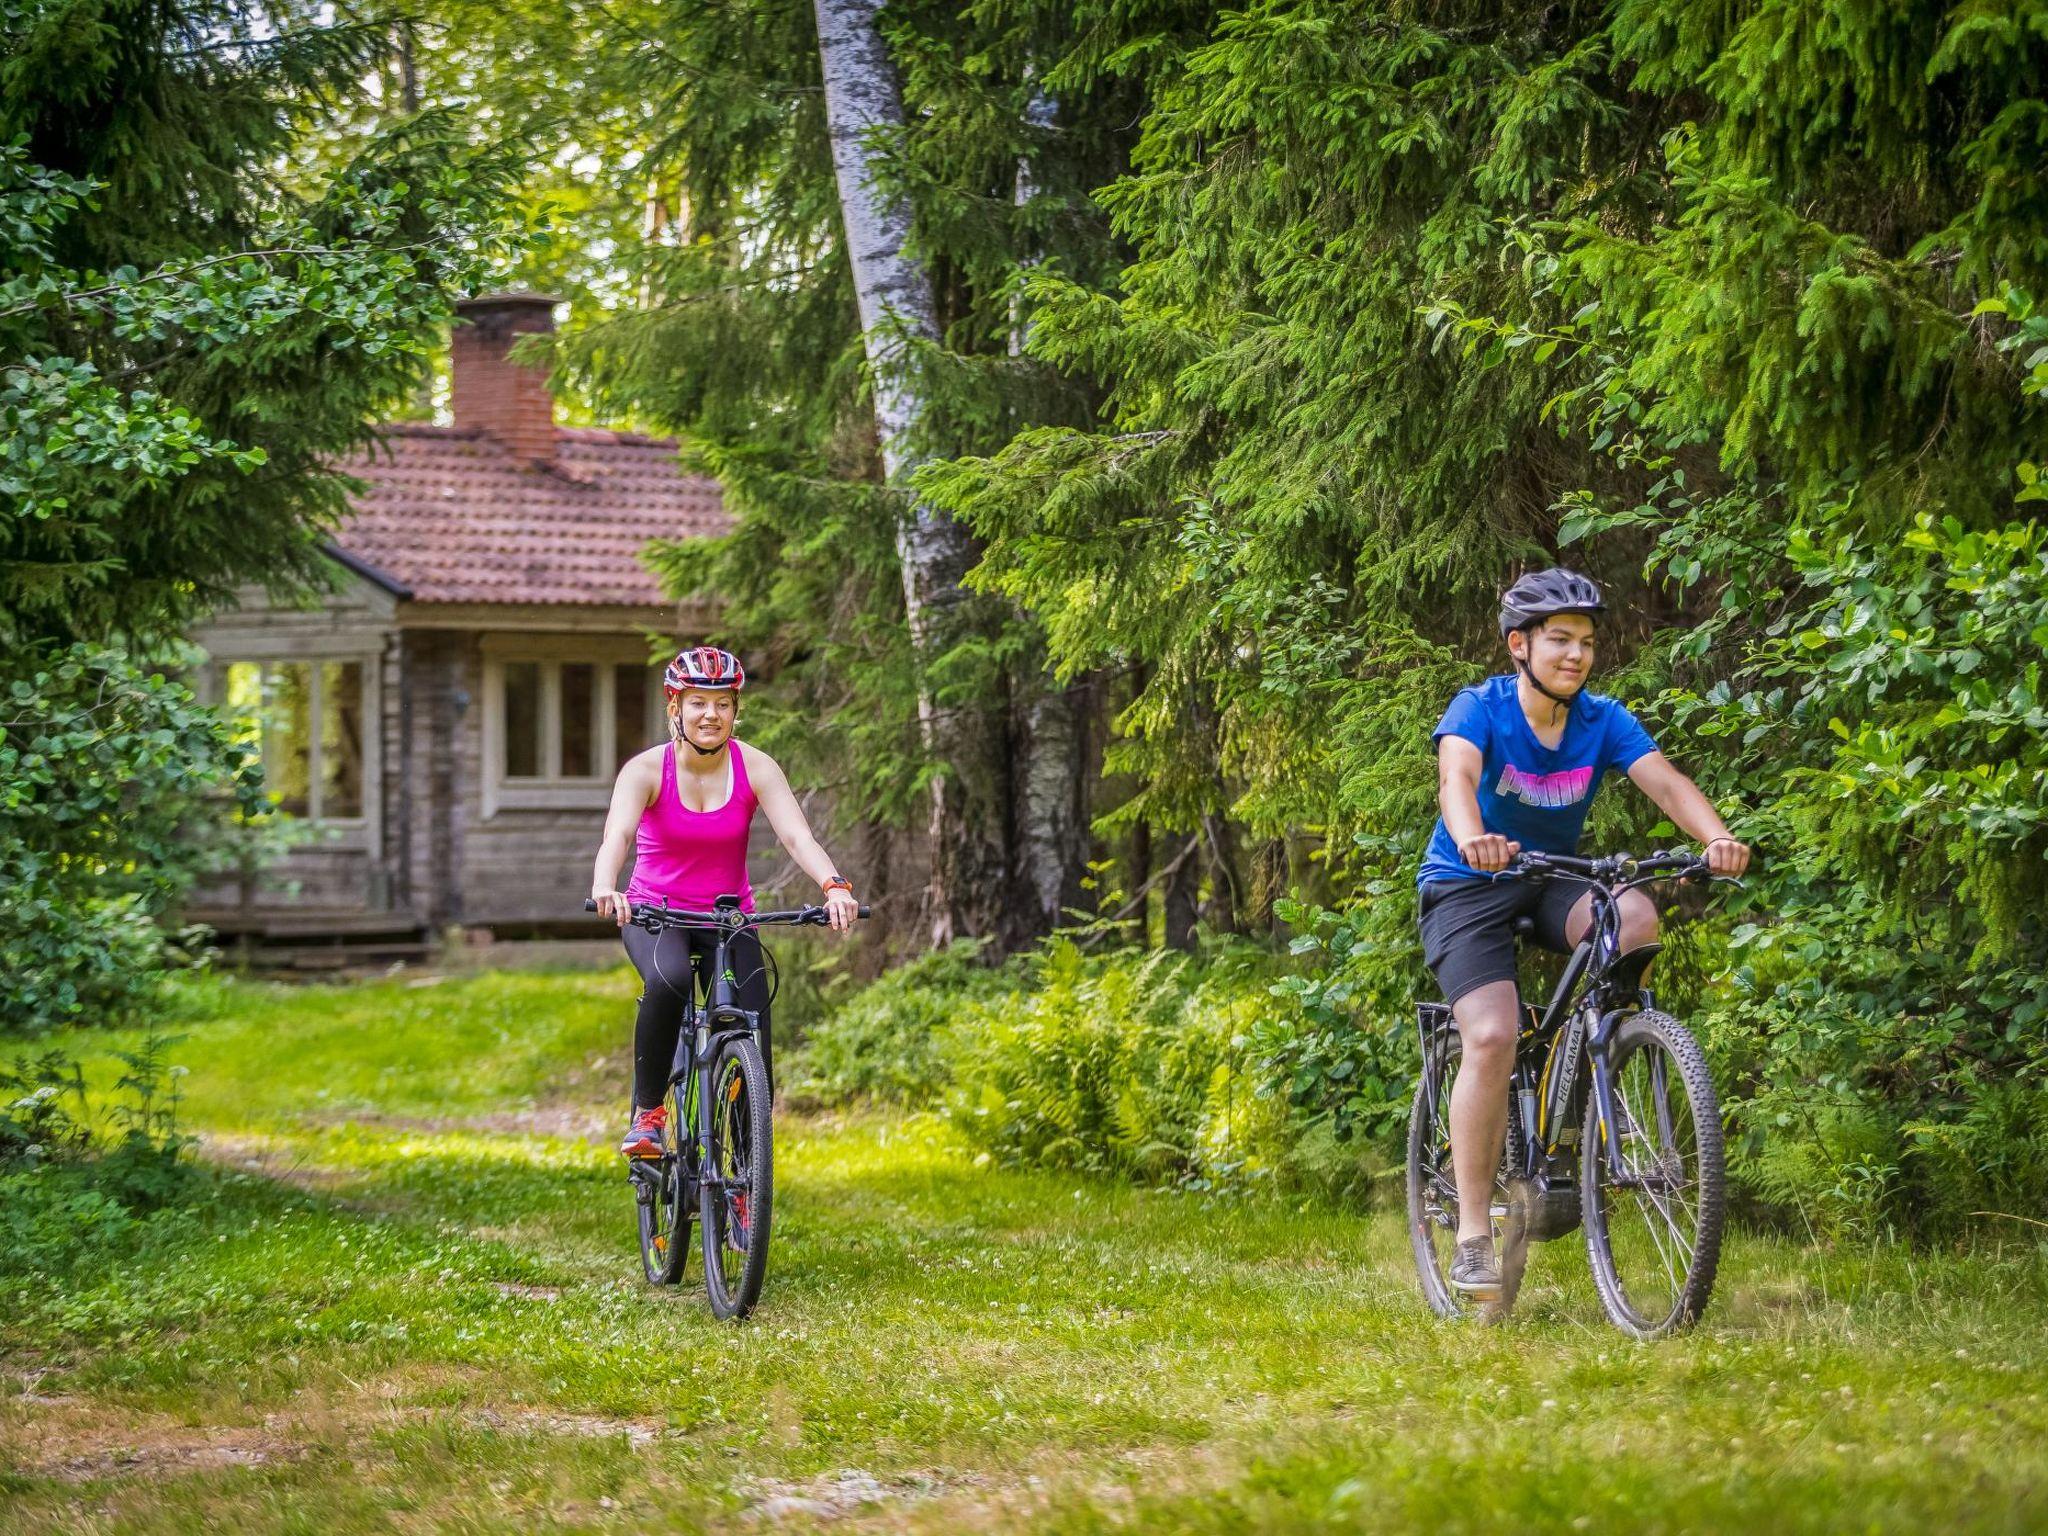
1654 1207
737 1186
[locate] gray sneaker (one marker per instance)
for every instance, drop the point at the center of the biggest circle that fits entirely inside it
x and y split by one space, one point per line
1475 1271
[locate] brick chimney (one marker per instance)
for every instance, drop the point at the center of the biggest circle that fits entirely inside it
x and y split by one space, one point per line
508 400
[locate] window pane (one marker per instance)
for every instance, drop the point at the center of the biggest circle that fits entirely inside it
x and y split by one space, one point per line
522 719
288 753
579 719
241 702
341 738
630 713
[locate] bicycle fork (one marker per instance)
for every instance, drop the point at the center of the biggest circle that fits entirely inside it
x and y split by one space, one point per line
1604 1098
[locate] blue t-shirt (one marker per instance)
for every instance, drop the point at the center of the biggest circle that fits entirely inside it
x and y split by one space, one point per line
1534 794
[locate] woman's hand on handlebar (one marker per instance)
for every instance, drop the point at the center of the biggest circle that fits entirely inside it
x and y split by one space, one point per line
840 910
1489 852
614 905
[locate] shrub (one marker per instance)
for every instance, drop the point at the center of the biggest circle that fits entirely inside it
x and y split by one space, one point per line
888 1041
41 1101
71 1196
1875 1082
1158 1066
116 791
1133 1064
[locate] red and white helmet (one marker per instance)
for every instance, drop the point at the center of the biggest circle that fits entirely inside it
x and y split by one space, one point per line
704 666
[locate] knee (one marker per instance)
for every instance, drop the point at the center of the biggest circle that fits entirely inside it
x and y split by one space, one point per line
1487 1040
1638 920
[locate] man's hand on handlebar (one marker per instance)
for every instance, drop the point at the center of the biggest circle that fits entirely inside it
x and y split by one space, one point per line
1725 856
614 905
1489 852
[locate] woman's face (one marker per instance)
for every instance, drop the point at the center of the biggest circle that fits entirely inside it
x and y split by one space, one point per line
1559 652
704 715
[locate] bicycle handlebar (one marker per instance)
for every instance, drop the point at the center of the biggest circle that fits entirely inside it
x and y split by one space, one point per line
654 919
1664 863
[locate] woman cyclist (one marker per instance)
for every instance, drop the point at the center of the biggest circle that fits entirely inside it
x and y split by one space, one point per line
685 817
1518 760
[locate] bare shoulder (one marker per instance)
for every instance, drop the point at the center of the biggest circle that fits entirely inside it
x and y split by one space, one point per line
759 764
642 771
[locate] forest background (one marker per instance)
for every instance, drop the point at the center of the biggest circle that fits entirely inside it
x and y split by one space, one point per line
1259 349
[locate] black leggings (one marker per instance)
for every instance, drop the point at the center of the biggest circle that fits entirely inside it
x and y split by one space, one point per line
669 964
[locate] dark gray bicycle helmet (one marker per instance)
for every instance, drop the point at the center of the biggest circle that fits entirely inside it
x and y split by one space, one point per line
1543 594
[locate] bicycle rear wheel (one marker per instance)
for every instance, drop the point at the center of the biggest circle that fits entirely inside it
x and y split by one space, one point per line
1433 1193
1653 1225
737 1189
661 1192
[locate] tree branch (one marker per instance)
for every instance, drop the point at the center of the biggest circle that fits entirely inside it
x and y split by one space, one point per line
168 273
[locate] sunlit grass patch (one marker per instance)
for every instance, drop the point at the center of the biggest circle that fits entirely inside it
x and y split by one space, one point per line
432 1304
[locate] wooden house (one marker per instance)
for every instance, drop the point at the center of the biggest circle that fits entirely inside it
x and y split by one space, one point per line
444 729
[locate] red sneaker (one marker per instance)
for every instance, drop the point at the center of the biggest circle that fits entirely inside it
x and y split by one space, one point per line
647 1138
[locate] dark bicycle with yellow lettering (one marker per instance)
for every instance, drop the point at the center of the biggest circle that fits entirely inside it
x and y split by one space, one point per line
1612 1124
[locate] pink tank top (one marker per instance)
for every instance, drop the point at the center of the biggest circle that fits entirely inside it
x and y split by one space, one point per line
691 858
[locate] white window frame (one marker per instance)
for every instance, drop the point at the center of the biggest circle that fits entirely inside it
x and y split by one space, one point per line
553 790
364 832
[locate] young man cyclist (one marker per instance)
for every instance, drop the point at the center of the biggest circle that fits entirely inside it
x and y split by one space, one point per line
1519 757
685 818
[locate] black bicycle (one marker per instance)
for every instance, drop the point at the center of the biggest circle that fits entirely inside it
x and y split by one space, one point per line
721 1163
1612 1120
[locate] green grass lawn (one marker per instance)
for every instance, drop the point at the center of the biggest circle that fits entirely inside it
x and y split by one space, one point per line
415 1305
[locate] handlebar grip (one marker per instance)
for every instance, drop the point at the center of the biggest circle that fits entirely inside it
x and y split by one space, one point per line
590 903
865 911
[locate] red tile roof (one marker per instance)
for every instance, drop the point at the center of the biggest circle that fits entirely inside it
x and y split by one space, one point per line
450 516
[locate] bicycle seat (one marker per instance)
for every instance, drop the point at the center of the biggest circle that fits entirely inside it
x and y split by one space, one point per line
1525 929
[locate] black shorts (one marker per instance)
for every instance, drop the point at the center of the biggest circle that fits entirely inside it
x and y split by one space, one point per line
1468 926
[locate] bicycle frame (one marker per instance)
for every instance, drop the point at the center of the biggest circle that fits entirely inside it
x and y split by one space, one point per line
1567 1043
707 1025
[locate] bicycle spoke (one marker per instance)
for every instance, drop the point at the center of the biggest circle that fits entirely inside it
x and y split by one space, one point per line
1674 1272
1678 1237
1650 1231
1646 1165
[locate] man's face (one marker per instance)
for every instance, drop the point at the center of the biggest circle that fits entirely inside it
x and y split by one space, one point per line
1559 652
705 715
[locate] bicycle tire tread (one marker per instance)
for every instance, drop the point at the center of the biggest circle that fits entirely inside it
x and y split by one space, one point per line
1704 1106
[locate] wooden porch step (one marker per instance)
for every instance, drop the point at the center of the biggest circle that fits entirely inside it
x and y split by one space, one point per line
343 925
337 957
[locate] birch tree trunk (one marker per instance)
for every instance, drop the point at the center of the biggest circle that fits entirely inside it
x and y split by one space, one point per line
894 292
